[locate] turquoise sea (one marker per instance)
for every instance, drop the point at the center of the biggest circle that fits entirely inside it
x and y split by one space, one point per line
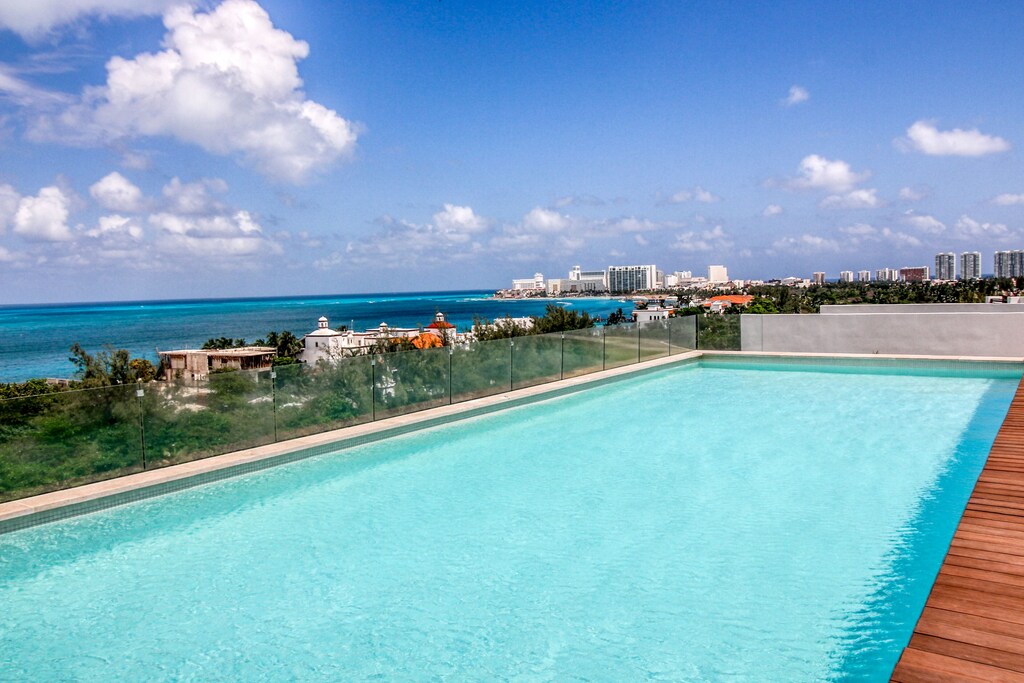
34 340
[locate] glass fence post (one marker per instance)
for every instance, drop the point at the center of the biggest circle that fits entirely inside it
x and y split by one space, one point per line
139 393
373 389
638 341
511 361
451 352
561 358
604 347
669 335
273 399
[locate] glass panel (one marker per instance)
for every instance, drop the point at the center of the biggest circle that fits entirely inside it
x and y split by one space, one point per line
653 339
583 352
536 359
318 398
191 420
481 369
411 380
621 345
684 333
718 332
64 439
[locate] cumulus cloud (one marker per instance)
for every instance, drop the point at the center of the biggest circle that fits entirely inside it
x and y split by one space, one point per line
114 192
6 256
227 81
9 200
1007 199
44 217
212 237
804 244
702 240
818 173
924 223
912 194
33 20
117 227
924 137
857 199
578 200
458 223
453 233
697 194
772 210
864 232
969 228
796 95
195 197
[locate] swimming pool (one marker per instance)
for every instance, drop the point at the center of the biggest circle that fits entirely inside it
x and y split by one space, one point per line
704 522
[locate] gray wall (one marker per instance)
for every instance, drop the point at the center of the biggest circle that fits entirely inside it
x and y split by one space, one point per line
933 334
859 309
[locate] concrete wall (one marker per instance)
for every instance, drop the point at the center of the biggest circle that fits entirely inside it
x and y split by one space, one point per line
860 309
939 334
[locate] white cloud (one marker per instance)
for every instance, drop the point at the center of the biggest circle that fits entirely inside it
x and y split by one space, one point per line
117 227
227 81
34 19
912 194
545 220
805 244
924 137
857 199
194 198
9 200
641 240
924 223
796 95
772 210
819 173
114 192
23 93
458 223
6 256
211 237
44 218
1008 199
703 240
899 239
968 228
698 194
578 200
859 230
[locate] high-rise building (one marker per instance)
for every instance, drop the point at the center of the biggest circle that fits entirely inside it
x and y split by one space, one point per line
945 266
863 276
914 274
1009 263
970 265
718 274
818 278
887 275
846 276
631 278
578 274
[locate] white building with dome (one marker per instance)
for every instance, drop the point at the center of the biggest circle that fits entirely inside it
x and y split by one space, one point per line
328 344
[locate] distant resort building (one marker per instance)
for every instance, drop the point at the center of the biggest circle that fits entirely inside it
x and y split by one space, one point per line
197 364
328 344
717 304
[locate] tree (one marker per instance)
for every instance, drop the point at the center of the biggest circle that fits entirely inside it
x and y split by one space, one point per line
560 319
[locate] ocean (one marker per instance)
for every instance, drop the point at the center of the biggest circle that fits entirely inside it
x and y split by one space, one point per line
35 340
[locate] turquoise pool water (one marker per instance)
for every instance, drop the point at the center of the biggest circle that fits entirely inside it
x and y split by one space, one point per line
697 523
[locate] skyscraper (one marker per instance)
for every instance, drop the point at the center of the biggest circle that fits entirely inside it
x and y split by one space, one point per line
819 278
846 276
1008 263
970 265
631 278
945 266
863 276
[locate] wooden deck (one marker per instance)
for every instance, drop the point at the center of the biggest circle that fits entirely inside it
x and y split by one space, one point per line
972 627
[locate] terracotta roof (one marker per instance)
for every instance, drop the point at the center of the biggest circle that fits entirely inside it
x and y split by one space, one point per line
427 341
440 325
735 299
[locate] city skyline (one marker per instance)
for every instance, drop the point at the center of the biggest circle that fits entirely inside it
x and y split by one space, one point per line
274 148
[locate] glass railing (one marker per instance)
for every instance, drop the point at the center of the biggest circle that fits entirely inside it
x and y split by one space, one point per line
63 439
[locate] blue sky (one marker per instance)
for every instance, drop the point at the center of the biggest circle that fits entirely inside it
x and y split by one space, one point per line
150 149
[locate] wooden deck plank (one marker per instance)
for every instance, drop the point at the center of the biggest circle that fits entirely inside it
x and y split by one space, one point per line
972 626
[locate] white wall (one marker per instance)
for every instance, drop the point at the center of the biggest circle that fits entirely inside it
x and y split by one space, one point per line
857 309
913 333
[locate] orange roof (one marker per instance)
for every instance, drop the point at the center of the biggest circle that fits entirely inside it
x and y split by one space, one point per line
427 341
440 325
735 299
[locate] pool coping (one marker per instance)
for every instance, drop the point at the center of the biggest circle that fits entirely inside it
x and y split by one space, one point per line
48 507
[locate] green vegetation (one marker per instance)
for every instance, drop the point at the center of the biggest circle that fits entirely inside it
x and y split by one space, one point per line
287 345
